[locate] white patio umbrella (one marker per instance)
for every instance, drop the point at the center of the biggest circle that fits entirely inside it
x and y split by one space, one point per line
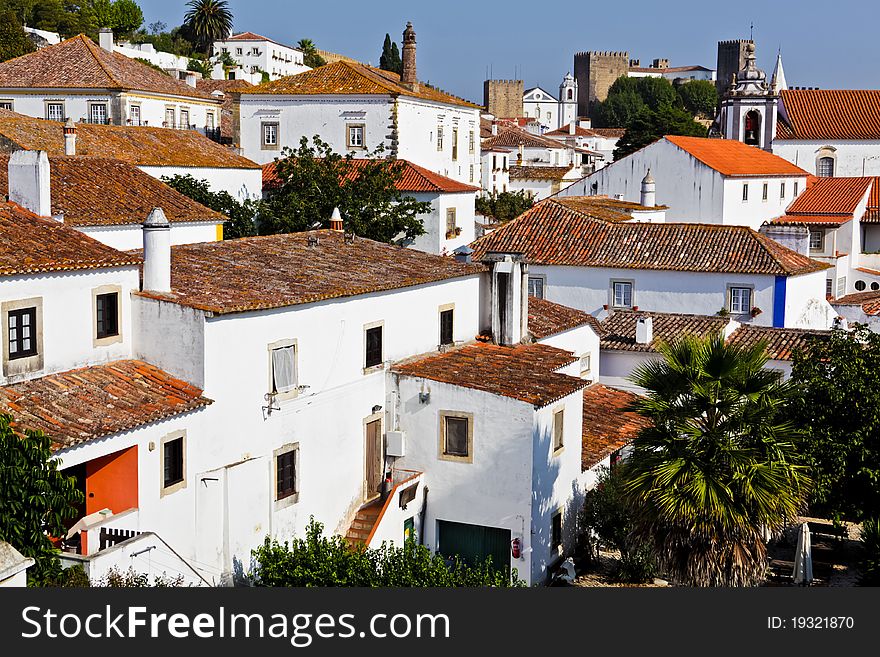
803 558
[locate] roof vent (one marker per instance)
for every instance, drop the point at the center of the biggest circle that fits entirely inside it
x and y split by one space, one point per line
312 240
349 238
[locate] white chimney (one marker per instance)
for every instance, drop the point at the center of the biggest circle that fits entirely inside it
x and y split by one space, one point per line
191 79
29 183
157 252
644 330
520 154
572 127
69 137
649 191
494 128
336 220
509 297
105 39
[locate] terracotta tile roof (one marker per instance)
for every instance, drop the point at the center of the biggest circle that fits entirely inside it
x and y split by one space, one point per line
829 114
78 63
734 158
831 196
273 271
580 131
526 372
252 36
620 328
612 133
550 233
29 245
547 318
350 78
782 343
138 145
102 400
226 87
607 425
872 213
538 172
602 207
99 192
811 220
513 137
414 179
869 301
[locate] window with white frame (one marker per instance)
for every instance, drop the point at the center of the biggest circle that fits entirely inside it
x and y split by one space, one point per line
471 142
740 300
355 135
55 111
765 190
621 294
745 191
238 51
782 189
825 167
450 222
829 287
209 120
170 117
173 462
536 286
6 105
471 173
558 429
270 136
841 286
795 188
134 114
439 137
184 119
98 113
284 371
585 365
286 472
817 240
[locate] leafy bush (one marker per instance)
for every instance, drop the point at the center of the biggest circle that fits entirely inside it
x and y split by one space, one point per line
130 579
870 535
318 560
241 215
504 206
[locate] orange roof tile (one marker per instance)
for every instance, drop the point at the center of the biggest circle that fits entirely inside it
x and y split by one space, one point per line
78 63
734 158
603 207
413 179
526 372
580 131
138 145
829 114
253 36
831 196
869 301
620 328
547 318
93 191
550 233
30 245
518 172
349 78
102 400
781 343
513 137
608 426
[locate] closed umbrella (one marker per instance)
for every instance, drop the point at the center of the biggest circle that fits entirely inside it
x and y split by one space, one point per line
803 558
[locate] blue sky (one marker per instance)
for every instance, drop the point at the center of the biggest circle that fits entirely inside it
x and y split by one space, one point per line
459 40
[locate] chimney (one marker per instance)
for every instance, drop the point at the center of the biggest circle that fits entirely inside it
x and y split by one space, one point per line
494 128
157 252
191 79
336 221
794 237
408 75
463 254
520 153
649 191
105 39
29 183
572 127
69 137
509 297
644 330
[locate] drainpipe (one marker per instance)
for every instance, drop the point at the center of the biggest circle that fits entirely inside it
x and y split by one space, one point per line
423 515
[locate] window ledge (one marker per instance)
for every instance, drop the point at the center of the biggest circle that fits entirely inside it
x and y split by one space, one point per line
374 368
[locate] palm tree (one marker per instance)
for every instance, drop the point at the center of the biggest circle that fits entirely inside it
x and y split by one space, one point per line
311 58
718 466
208 21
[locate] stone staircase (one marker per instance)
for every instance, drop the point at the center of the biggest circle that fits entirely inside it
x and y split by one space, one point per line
363 523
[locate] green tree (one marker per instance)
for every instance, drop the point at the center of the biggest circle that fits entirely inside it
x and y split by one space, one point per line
838 408
126 17
13 39
208 21
504 206
242 215
699 97
390 59
719 463
202 66
35 498
311 58
318 560
649 126
314 180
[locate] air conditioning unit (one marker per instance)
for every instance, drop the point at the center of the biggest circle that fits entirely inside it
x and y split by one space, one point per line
395 443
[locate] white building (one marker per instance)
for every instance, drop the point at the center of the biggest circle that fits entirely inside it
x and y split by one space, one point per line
660 68
13 566
582 260
542 181
601 142
712 181
529 149
79 80
549 111
450 222
357 109
255 55
495 169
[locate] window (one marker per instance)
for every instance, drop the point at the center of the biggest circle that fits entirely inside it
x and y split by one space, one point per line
450 222
558 429
556 532
536 286
373 346
471 142
134 114
752 128
284 374
255 51
494 162
571 94
173 463
455 143
98 113
270 136
622 294
6 105
825 167
471 173
238 51
55 111
439 137
355 138
817 240
22 325
209 120
285 474
795 188
107 315
745 192
585 366
170 117
829 287
782 190
841 286
456 436
184 119
860 286
446 326
740 300
764 191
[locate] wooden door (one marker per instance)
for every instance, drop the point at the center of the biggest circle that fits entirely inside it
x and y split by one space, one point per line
373 458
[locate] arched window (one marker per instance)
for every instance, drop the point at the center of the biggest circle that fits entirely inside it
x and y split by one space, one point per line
752 133
825 167
570 94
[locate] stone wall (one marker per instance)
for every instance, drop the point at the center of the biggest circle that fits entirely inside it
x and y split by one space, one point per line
595 72
731 59
503 98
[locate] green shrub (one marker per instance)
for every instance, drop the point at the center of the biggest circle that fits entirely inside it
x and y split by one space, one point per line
870 535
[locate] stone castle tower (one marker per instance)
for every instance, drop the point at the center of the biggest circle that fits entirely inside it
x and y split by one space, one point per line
595 72
731 60
503 98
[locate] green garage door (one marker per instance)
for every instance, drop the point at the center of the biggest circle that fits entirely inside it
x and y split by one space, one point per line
474 543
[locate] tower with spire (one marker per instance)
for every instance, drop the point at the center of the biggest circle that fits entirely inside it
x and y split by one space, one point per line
568 93
777 82
749 106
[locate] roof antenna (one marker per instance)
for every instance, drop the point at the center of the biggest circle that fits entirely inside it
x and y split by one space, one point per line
752 31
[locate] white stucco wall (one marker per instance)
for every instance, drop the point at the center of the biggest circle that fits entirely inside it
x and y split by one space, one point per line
389 528
617 366
242 184
852 157
434 240
273 58
805 304
171 337
755 211
131 236
581 341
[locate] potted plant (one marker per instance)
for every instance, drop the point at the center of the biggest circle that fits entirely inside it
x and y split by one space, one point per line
723 312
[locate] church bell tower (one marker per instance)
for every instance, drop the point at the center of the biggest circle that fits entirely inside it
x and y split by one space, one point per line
749 106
